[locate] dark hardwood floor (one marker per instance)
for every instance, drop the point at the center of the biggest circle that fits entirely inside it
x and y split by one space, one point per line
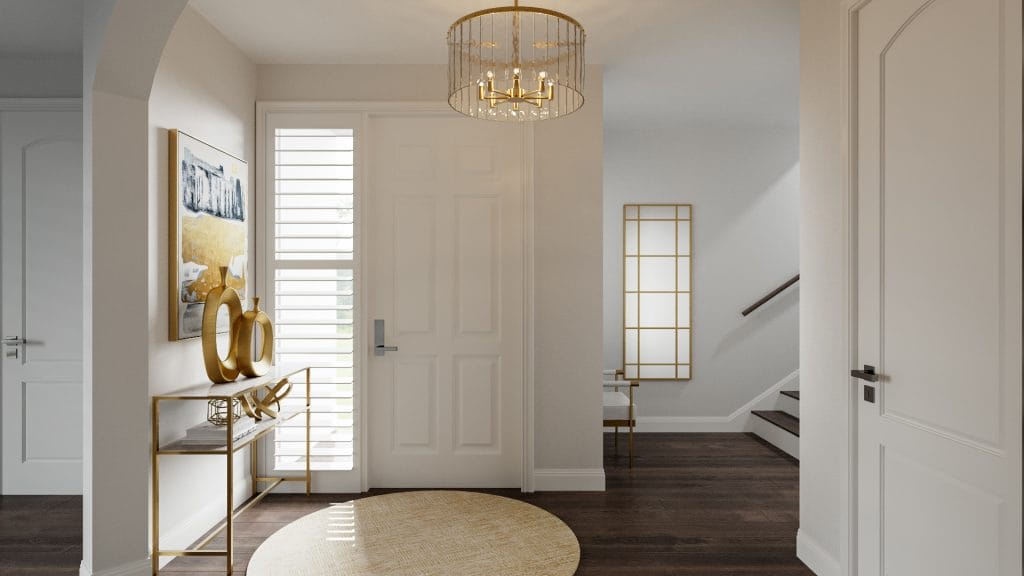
40 535
694 504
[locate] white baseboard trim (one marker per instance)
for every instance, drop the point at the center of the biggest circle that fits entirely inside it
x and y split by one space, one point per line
815 557
738 421
44 492
568 479
136 568
686 424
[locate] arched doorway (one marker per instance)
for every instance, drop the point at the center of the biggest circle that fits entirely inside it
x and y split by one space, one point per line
123 42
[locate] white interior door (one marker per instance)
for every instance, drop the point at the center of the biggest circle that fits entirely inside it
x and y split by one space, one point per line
939 287
445 274
41 186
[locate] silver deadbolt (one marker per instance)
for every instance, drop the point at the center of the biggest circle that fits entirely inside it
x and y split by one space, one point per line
378 339
11 344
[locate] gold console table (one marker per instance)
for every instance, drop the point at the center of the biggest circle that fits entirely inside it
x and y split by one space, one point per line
227 393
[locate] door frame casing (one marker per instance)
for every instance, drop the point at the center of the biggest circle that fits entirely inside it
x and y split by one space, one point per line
30 105
848 192
849 73
368 109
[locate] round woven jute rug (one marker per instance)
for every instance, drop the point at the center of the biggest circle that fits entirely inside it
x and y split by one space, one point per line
430 533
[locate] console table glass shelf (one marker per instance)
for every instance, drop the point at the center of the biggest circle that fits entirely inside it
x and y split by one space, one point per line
250 387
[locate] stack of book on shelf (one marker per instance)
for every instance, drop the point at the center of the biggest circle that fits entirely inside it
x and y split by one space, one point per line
207 434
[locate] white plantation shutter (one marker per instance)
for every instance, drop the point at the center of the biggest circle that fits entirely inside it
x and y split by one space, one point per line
313 290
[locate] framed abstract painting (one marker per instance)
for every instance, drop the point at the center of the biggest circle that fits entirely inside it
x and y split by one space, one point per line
208 228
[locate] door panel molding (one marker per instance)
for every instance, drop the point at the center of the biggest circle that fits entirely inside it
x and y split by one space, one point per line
978 257
46 405
470 425
415 406
31 353
414 262
478 215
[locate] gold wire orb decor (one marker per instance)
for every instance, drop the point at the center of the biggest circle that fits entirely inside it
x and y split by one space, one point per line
516 64
217 411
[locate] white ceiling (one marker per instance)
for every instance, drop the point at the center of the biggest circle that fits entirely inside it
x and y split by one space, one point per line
678 61
40 28
666 61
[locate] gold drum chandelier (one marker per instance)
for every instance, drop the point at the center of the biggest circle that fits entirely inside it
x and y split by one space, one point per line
516 64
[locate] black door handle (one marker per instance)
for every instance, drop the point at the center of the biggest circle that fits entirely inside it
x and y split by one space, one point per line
868 373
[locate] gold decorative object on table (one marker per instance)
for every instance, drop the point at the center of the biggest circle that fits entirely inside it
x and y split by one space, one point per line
247 364
239 358
217 411
257 407
221 370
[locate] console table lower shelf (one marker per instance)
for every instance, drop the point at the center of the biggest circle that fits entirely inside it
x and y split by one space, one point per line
250 388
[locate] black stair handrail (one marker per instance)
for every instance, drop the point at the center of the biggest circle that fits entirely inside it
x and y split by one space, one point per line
770 295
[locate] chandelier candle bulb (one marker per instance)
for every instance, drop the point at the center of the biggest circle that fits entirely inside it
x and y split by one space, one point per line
516 64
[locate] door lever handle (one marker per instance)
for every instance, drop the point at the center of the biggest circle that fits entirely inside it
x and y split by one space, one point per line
14 340
868 374
378 339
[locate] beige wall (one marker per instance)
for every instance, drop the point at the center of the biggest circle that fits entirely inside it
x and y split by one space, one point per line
352 83
568 214
206 87
746 242
40 77
568 265
823 353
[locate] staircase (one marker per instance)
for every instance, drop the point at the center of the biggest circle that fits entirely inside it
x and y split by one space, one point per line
780 427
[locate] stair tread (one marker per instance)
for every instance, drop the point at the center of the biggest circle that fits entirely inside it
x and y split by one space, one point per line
791 393
787 422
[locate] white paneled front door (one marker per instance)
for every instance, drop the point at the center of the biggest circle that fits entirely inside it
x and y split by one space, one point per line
445 274
41 186
938 200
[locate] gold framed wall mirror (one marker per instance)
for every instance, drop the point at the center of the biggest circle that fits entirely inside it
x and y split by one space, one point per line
657 289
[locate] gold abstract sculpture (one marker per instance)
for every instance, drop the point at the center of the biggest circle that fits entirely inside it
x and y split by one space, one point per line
221 370
239 359
258 407
247 364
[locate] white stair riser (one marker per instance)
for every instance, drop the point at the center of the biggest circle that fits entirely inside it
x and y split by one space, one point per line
776 436
788 405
